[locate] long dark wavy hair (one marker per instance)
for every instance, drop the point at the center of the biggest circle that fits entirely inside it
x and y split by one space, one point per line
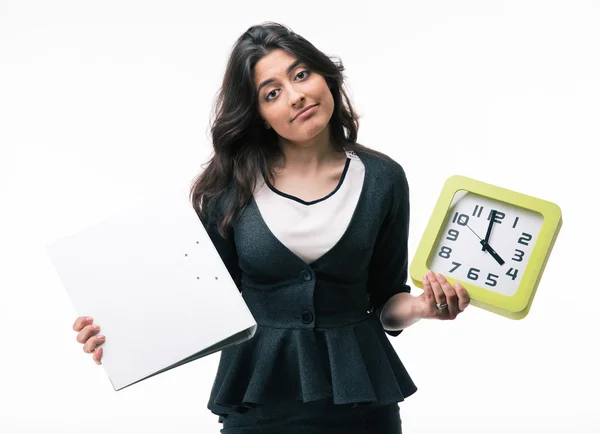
243 147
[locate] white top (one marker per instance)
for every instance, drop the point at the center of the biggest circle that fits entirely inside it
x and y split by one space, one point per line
311 229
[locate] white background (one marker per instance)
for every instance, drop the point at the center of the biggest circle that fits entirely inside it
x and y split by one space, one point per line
102 102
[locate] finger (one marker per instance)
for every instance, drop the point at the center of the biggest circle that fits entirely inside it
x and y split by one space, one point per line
450 294
463 297
97 356
87 332
440 297
430 310
428 291
81 322
92 343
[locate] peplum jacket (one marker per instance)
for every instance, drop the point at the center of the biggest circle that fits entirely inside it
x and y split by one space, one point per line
318 329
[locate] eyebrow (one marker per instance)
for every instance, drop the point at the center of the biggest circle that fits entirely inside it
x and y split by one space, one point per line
288 70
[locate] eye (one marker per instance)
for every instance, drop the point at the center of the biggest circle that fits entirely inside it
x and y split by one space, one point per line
306 72
270 93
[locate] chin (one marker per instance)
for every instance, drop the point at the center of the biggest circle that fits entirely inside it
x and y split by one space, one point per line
315 131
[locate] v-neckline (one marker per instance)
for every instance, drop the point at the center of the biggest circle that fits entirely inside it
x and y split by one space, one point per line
314 201
253 205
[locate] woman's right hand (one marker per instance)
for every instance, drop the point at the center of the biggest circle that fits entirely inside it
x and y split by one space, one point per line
89 337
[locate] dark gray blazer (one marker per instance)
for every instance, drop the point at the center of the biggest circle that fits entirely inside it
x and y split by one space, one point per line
319 333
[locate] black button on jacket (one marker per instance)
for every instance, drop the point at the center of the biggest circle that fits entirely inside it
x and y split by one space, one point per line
318 332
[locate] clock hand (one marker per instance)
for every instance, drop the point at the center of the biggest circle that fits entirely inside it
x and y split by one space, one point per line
489 229
492 252
487 247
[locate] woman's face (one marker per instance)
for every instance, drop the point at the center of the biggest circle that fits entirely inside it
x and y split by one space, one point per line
286 87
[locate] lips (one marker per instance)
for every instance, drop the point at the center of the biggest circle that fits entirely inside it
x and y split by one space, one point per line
305 109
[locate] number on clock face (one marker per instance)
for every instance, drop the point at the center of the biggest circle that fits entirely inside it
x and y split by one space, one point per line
462 251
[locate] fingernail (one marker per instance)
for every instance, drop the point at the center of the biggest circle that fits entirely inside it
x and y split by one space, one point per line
88 318
457 285
100 336
97 327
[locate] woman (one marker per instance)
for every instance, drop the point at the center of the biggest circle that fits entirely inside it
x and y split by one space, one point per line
313 228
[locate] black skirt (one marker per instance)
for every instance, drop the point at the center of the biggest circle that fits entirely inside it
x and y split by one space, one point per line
318 417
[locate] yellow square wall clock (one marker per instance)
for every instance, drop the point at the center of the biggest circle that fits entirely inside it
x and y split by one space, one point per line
493 241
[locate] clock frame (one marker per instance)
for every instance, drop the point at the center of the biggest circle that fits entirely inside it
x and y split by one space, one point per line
514 306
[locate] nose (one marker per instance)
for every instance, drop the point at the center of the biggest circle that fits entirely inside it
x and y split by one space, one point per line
295 96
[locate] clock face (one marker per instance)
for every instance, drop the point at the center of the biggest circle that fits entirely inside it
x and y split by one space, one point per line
497 264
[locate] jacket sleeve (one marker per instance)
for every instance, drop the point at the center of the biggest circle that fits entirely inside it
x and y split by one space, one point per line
388 270
224 246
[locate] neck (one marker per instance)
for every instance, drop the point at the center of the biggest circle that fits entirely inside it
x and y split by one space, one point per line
310 154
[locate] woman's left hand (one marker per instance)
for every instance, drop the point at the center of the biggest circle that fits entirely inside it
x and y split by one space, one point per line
440 300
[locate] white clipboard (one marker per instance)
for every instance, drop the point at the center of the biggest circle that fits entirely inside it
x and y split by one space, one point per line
152 279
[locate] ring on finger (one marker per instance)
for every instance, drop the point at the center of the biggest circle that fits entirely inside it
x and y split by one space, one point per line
441 306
